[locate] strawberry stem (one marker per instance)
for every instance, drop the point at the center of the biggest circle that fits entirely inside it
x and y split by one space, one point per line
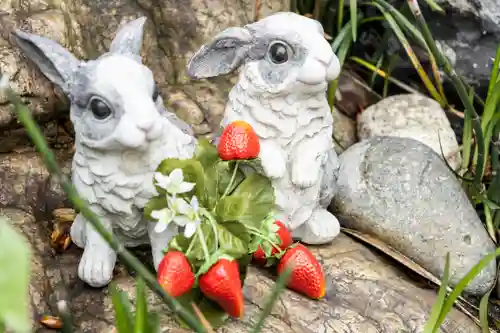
213 223
203 243
256 232
231 181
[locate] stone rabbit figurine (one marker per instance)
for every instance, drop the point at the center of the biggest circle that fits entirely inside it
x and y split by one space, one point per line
285 64
122 134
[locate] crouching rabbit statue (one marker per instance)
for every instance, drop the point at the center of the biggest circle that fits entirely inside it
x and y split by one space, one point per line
122 133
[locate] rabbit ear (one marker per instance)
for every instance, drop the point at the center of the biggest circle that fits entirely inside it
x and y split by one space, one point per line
128 39
55 62
222 55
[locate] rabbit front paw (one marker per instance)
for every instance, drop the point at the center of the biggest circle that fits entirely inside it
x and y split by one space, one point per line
97 264
304 177
272 159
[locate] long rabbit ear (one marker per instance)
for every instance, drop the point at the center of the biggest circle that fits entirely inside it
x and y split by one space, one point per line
128 39
222 55
55 62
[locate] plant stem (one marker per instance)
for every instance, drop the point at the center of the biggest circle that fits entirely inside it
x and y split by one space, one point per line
459 86
231 181
203 243
278 287
256 232
213 223
81 205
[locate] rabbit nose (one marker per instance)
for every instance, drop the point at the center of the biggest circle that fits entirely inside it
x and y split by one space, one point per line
333 69
146 124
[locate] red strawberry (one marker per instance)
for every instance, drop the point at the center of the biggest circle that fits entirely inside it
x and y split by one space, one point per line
175 274
222 284
286 240
238 141
307 275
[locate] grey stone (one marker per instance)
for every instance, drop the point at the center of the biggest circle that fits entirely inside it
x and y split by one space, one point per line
412 116
344 131
400 191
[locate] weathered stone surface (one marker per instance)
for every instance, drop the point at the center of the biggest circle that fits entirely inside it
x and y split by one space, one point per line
365 293
412 116
25 183
175 29
400 191
344 131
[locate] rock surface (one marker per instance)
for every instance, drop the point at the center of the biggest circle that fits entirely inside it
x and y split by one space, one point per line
400 191
468 33
411 116
365 293
174 30
344 131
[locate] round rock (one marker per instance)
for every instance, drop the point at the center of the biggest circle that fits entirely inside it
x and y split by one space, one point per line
411 116
400 191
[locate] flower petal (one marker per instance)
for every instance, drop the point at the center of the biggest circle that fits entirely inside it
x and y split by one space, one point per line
160 227
195 204
185 187
190 229
161 180
182 206
176 177
182 220
157 214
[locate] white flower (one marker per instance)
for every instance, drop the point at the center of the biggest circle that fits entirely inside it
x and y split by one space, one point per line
189 219
164 217
173 183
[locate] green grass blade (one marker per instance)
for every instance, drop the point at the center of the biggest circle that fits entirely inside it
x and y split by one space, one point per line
434 6
409 51
467 138
123 310
430 325
141 307
277 289
383 74
483 312
353 8
494 71
340 16
343 34
459 288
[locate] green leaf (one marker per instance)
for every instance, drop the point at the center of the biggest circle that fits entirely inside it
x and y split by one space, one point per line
192 170
141 308
15 263
194 252
156 203
224 171
206 153
233 239
123 313
249 203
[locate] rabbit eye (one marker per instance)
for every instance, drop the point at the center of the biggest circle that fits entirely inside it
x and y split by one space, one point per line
278 52
99 109
156 93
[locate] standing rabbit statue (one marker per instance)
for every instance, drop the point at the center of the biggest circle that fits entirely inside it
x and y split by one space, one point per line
285 64
122 133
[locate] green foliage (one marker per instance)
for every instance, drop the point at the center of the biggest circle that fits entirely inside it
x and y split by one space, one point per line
15 262
233 202
143 320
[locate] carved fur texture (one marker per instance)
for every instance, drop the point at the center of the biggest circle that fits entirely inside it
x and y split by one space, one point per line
122 133
285 64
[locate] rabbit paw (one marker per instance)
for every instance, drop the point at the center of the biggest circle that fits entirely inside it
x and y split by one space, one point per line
304 177
97 264
321 228
77 231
